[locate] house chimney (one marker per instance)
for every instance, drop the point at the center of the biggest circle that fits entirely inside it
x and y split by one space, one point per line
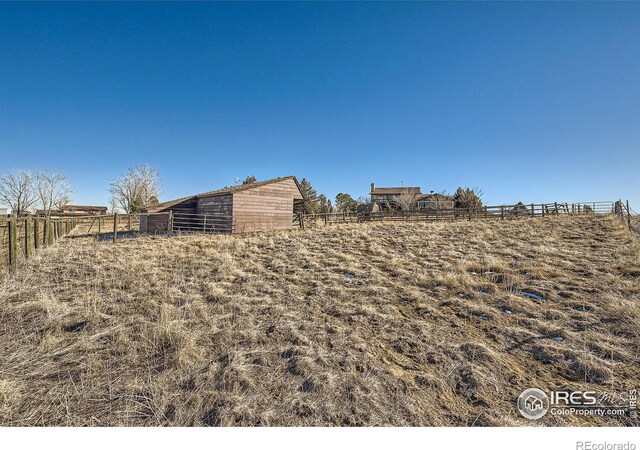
373 186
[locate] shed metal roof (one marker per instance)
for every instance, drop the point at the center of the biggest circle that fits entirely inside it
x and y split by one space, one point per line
223 191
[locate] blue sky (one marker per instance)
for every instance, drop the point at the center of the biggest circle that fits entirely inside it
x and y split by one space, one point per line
529 101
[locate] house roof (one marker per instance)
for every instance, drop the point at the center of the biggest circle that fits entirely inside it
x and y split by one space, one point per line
83 208
244 187
223 191
395 190
435 196
60 213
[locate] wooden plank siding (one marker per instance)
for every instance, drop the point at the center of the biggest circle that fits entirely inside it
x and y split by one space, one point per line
265 208
159 223
260 206
189 206
218 205
154 223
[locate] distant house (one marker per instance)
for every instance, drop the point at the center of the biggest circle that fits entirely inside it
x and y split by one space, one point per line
259 206
74 210
519 209
389 194
435 200
387 197
368 207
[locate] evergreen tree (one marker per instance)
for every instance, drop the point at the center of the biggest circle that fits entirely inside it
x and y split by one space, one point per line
345 203
310 203
467 198
250 179
324 204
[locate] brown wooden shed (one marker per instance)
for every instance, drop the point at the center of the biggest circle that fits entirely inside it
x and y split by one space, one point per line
259 206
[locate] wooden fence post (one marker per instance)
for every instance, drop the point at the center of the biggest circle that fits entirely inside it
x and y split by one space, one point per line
628 215
204 224
115 226
45 232
469 212
556 206
36 233
91 225
170 230
129 216
99 225
28 231
533 211
13 245
502 212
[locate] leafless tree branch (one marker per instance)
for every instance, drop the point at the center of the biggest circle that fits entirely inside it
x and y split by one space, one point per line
16 190
137 189
53 190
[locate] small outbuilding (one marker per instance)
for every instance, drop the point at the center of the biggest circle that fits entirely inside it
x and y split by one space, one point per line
258 206
74 210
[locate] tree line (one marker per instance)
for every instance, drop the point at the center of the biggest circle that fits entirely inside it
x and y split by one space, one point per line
139 188
23 191
314 203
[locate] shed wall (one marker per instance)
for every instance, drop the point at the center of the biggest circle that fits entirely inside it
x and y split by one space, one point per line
158 221
265 208
220 209
154 223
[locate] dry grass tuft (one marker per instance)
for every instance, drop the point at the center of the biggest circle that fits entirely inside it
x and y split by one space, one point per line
376 324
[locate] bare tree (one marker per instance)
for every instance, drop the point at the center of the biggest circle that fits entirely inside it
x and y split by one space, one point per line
113 205
53 190
406 202
16 190
136 189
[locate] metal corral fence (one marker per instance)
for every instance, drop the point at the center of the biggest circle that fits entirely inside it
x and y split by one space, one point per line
153 223
485 212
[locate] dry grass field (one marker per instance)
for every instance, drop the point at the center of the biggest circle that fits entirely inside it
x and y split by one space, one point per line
362 324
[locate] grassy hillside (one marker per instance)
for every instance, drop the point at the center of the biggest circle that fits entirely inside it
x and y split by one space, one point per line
378 324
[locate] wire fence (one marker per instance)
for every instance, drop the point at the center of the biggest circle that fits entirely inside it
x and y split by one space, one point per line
500 212
21 237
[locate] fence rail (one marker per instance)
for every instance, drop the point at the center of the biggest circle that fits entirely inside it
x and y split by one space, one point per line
20 237
202 223
484 212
